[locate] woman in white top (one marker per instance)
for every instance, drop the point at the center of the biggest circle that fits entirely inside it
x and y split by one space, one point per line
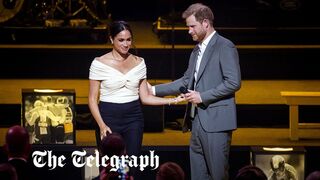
117 85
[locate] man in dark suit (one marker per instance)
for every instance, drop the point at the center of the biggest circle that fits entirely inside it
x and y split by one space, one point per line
18 149
213 74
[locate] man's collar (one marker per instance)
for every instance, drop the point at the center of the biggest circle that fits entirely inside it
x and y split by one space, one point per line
207 40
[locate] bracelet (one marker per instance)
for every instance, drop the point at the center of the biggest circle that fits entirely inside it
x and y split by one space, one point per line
175 101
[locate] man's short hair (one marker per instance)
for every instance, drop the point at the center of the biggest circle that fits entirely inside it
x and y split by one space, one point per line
200 12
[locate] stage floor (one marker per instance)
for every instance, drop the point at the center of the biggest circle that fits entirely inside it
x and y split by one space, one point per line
241 137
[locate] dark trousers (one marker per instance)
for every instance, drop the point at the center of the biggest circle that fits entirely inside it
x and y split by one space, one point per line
125 119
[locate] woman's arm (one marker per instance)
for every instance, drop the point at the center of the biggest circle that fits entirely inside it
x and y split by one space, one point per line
93 105
148 99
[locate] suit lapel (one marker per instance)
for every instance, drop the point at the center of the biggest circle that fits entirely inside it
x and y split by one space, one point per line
206 56
193 61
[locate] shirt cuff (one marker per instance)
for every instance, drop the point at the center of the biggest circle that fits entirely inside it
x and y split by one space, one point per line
153 90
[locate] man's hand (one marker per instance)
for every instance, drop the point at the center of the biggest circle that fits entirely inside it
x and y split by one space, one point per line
193 97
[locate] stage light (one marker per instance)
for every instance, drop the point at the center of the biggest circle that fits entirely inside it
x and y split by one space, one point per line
277 149
48 90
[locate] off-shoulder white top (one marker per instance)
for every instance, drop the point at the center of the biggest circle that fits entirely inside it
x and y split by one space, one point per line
115 86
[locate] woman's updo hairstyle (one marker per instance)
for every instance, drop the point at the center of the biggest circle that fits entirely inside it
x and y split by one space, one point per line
117 26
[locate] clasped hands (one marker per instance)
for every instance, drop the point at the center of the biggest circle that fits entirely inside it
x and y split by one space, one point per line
192 97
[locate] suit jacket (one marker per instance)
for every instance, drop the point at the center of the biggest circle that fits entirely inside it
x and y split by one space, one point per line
217 81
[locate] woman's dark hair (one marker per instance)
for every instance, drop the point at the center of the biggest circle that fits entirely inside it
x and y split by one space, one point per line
118 26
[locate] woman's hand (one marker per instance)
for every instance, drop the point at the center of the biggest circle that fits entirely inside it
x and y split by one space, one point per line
176 100
104 131
180 98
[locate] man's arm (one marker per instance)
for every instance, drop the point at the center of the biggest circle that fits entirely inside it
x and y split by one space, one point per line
171 88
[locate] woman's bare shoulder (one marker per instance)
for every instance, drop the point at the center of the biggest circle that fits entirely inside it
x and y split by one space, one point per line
106 58
137 59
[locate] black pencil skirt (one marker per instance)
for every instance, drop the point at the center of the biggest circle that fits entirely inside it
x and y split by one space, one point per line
125 119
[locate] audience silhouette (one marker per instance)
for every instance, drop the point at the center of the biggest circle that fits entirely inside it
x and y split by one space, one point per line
18 149
170 171
250 172
114 145
8 172
315 175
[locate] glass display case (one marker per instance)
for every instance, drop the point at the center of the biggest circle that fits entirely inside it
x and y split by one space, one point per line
280 163
49 115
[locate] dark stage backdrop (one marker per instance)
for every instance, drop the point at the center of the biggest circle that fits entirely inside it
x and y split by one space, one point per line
264 13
